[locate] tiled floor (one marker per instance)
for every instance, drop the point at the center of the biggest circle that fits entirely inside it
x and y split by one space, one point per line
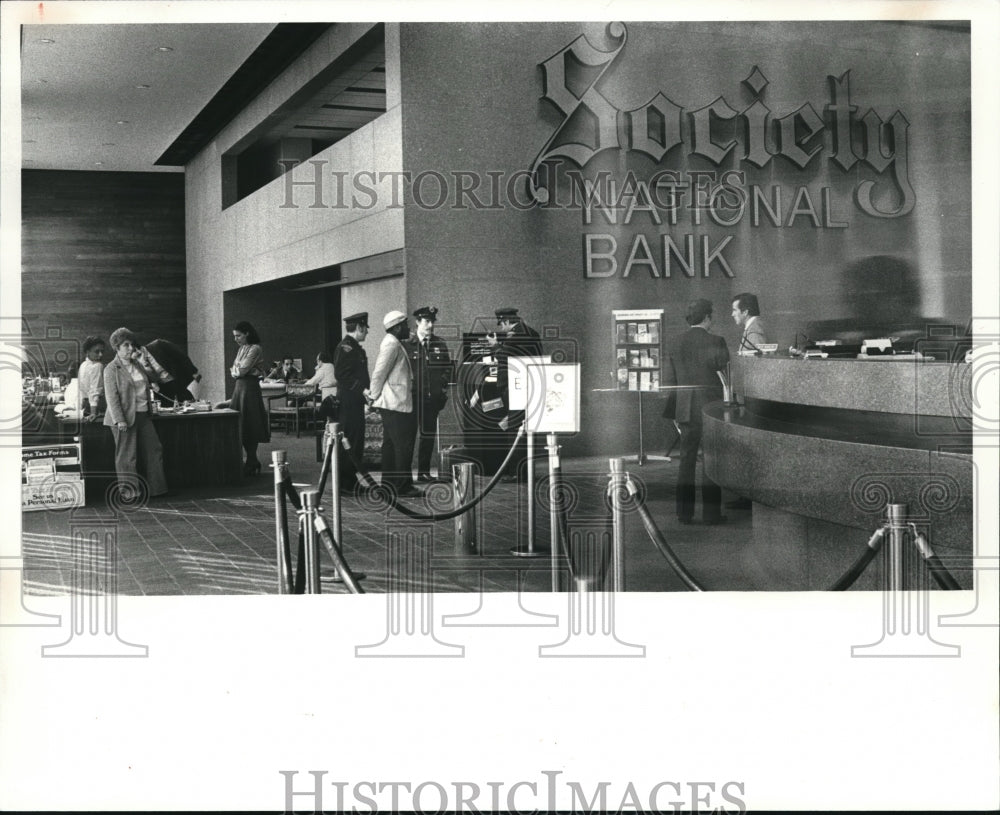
222 541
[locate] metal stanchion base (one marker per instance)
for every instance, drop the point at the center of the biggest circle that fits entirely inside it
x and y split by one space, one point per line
357 576
535 552
644 458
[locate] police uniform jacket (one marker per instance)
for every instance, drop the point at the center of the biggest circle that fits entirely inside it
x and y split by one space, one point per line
432 369
350 365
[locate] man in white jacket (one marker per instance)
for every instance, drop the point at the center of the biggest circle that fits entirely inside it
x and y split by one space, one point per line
392 395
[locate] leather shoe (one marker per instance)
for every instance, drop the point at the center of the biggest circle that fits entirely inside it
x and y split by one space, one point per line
739 503
509 478
409 492
427 478
721 519
685 521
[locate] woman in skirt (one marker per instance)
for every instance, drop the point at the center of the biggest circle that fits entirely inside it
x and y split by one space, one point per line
247 370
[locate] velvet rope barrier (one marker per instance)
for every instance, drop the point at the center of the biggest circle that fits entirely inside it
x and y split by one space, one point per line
657 538
847 579
393 502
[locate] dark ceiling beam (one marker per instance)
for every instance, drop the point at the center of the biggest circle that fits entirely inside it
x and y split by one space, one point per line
278 50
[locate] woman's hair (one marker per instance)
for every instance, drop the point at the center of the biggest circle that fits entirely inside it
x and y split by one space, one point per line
120 335
90 342
322 356
245 328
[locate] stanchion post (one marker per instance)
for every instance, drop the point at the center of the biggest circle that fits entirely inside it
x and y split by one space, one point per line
896 516
333 439
308 521
905 614
279 461
641 457
554 466
531 492
464 481
617 489
531 550
332 459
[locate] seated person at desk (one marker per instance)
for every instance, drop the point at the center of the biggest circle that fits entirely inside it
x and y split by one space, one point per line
324 376
284 371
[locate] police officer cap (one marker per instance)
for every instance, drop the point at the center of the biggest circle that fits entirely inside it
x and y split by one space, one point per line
505 313
361 318
393 318
426 313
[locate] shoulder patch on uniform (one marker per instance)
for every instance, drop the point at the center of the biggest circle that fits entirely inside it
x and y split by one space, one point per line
346 347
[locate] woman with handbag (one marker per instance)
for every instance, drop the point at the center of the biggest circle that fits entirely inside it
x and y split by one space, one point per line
127 391
247 370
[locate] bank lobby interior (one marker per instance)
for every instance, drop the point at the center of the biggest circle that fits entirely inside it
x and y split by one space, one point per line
818 455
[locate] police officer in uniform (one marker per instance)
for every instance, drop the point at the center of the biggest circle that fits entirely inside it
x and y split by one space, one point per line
350 365
514 337
432 369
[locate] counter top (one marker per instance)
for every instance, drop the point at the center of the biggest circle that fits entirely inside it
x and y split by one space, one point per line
911 387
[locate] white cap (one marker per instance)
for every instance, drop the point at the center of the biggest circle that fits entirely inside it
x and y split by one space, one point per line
393 318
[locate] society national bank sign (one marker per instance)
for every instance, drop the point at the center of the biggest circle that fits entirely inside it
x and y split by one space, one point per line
662 130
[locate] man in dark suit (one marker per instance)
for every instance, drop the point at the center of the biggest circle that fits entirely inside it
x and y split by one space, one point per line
350 366
171 369
694 360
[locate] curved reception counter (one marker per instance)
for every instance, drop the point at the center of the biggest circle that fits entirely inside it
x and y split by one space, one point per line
821 447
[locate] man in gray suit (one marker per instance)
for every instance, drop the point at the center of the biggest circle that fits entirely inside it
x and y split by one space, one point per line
392 395
746 314
694 360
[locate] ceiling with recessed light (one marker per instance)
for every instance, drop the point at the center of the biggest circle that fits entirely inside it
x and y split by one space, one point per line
115 97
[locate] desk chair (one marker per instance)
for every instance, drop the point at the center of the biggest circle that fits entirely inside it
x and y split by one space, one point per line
298 402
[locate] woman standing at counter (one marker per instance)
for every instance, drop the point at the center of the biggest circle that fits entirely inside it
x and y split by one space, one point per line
91 377
247 370
126 389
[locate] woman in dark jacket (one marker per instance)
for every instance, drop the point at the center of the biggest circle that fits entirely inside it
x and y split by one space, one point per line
126 389
247 370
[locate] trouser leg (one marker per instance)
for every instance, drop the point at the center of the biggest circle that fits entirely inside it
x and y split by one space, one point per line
150 453
390 439
126 453
690 440
352 420
427 436
397 448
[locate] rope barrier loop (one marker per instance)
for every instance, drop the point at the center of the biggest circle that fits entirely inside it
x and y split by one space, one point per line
937 569
392 501
653 531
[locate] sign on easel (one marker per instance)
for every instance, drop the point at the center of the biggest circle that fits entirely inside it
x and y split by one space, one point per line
548 393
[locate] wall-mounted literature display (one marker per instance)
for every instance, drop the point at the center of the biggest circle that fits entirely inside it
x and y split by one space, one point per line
638 348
